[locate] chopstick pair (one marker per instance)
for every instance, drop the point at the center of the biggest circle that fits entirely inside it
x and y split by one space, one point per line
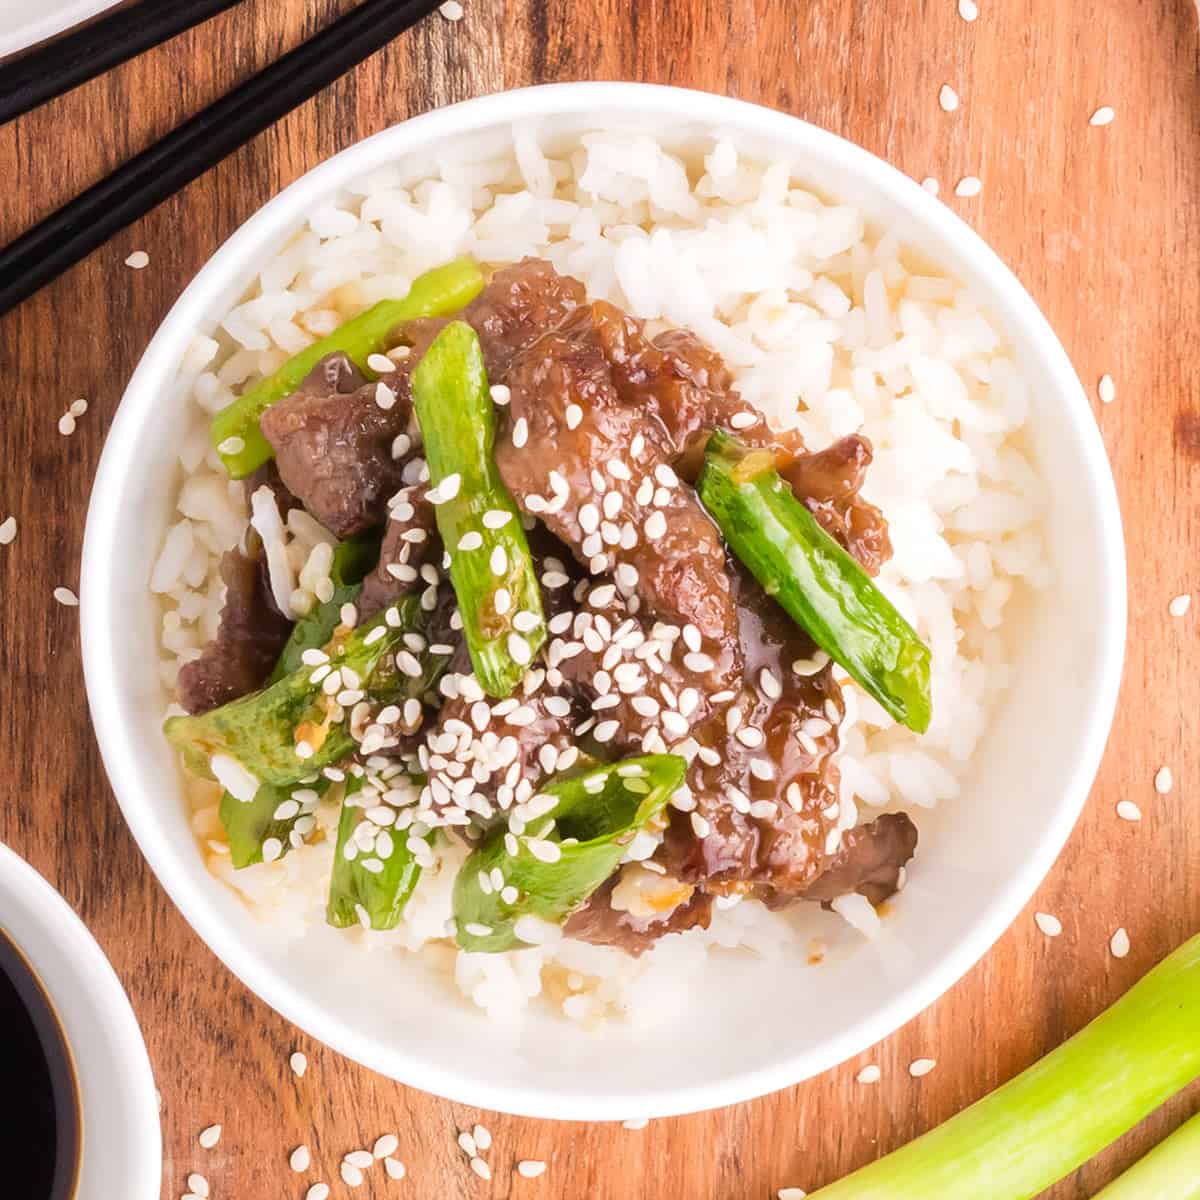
133 189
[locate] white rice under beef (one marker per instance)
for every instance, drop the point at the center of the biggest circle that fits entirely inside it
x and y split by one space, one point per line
827 329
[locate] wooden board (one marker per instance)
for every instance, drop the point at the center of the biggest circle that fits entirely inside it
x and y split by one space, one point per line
1102 225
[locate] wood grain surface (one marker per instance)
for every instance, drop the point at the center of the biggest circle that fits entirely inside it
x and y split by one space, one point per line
1102 225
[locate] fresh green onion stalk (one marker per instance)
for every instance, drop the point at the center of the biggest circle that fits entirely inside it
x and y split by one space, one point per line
567 851
438 293
819 585
490 565
1040 1126
1171 1171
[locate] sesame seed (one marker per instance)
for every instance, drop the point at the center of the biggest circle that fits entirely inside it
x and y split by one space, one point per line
300 1159
471 540
449 486
380 363
209 1137
743 420
385 398
518 649
501 395
481 1168
1106 389
574 415
138 260
232 445
475 929
520 433
299 1064
351 1175
790 1193
318 1191
636 1123
618 470
359 1158
1179 606
499 561
66 597
466 1143
530 1168
1050 925
496 518
1164 781
509 894
544 851
869 1074
395 1168
948 98
8 530
1102 116
66 424
930 185
921 1066
700 826
1128 811
483 1137
1119 943
968 186
968 10
769 683
197 1184
655 526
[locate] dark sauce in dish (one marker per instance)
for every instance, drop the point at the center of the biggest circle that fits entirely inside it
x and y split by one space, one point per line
39 1097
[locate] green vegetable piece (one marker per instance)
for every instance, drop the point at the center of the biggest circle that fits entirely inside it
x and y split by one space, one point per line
437 293
1040 1126
353 889
1171 1171
263 731
250 824
491 567
818 584
352 562
598 811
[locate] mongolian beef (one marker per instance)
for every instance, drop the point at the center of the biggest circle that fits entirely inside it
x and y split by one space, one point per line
583 617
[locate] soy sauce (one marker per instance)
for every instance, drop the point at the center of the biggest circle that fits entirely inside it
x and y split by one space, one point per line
39 1097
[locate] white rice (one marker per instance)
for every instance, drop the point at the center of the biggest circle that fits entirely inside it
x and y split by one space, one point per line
830 328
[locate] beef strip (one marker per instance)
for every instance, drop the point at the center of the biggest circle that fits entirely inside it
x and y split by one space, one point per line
598 922
250 638
334 444
828 482
767 807
869 860
409 542
595 473
681 384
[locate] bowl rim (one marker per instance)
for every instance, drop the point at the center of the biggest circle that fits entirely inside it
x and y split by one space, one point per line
114 1079
601 100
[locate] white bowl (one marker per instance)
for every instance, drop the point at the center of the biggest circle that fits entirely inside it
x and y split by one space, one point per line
121 1145
981 859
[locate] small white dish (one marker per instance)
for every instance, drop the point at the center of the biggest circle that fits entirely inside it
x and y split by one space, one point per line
760 1025
121 1147
26 23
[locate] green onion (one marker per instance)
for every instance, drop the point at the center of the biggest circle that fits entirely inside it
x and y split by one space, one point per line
355 890
438 293
288 730
490 565
1171 1171
1040 1126
594 817
819 585
251 824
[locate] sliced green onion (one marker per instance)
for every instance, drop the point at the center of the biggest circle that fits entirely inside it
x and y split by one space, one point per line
818 584
367 889
438 293
490 565
568 850
1040 1126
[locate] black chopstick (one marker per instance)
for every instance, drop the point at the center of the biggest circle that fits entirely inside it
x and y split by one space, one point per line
133 189
68 61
